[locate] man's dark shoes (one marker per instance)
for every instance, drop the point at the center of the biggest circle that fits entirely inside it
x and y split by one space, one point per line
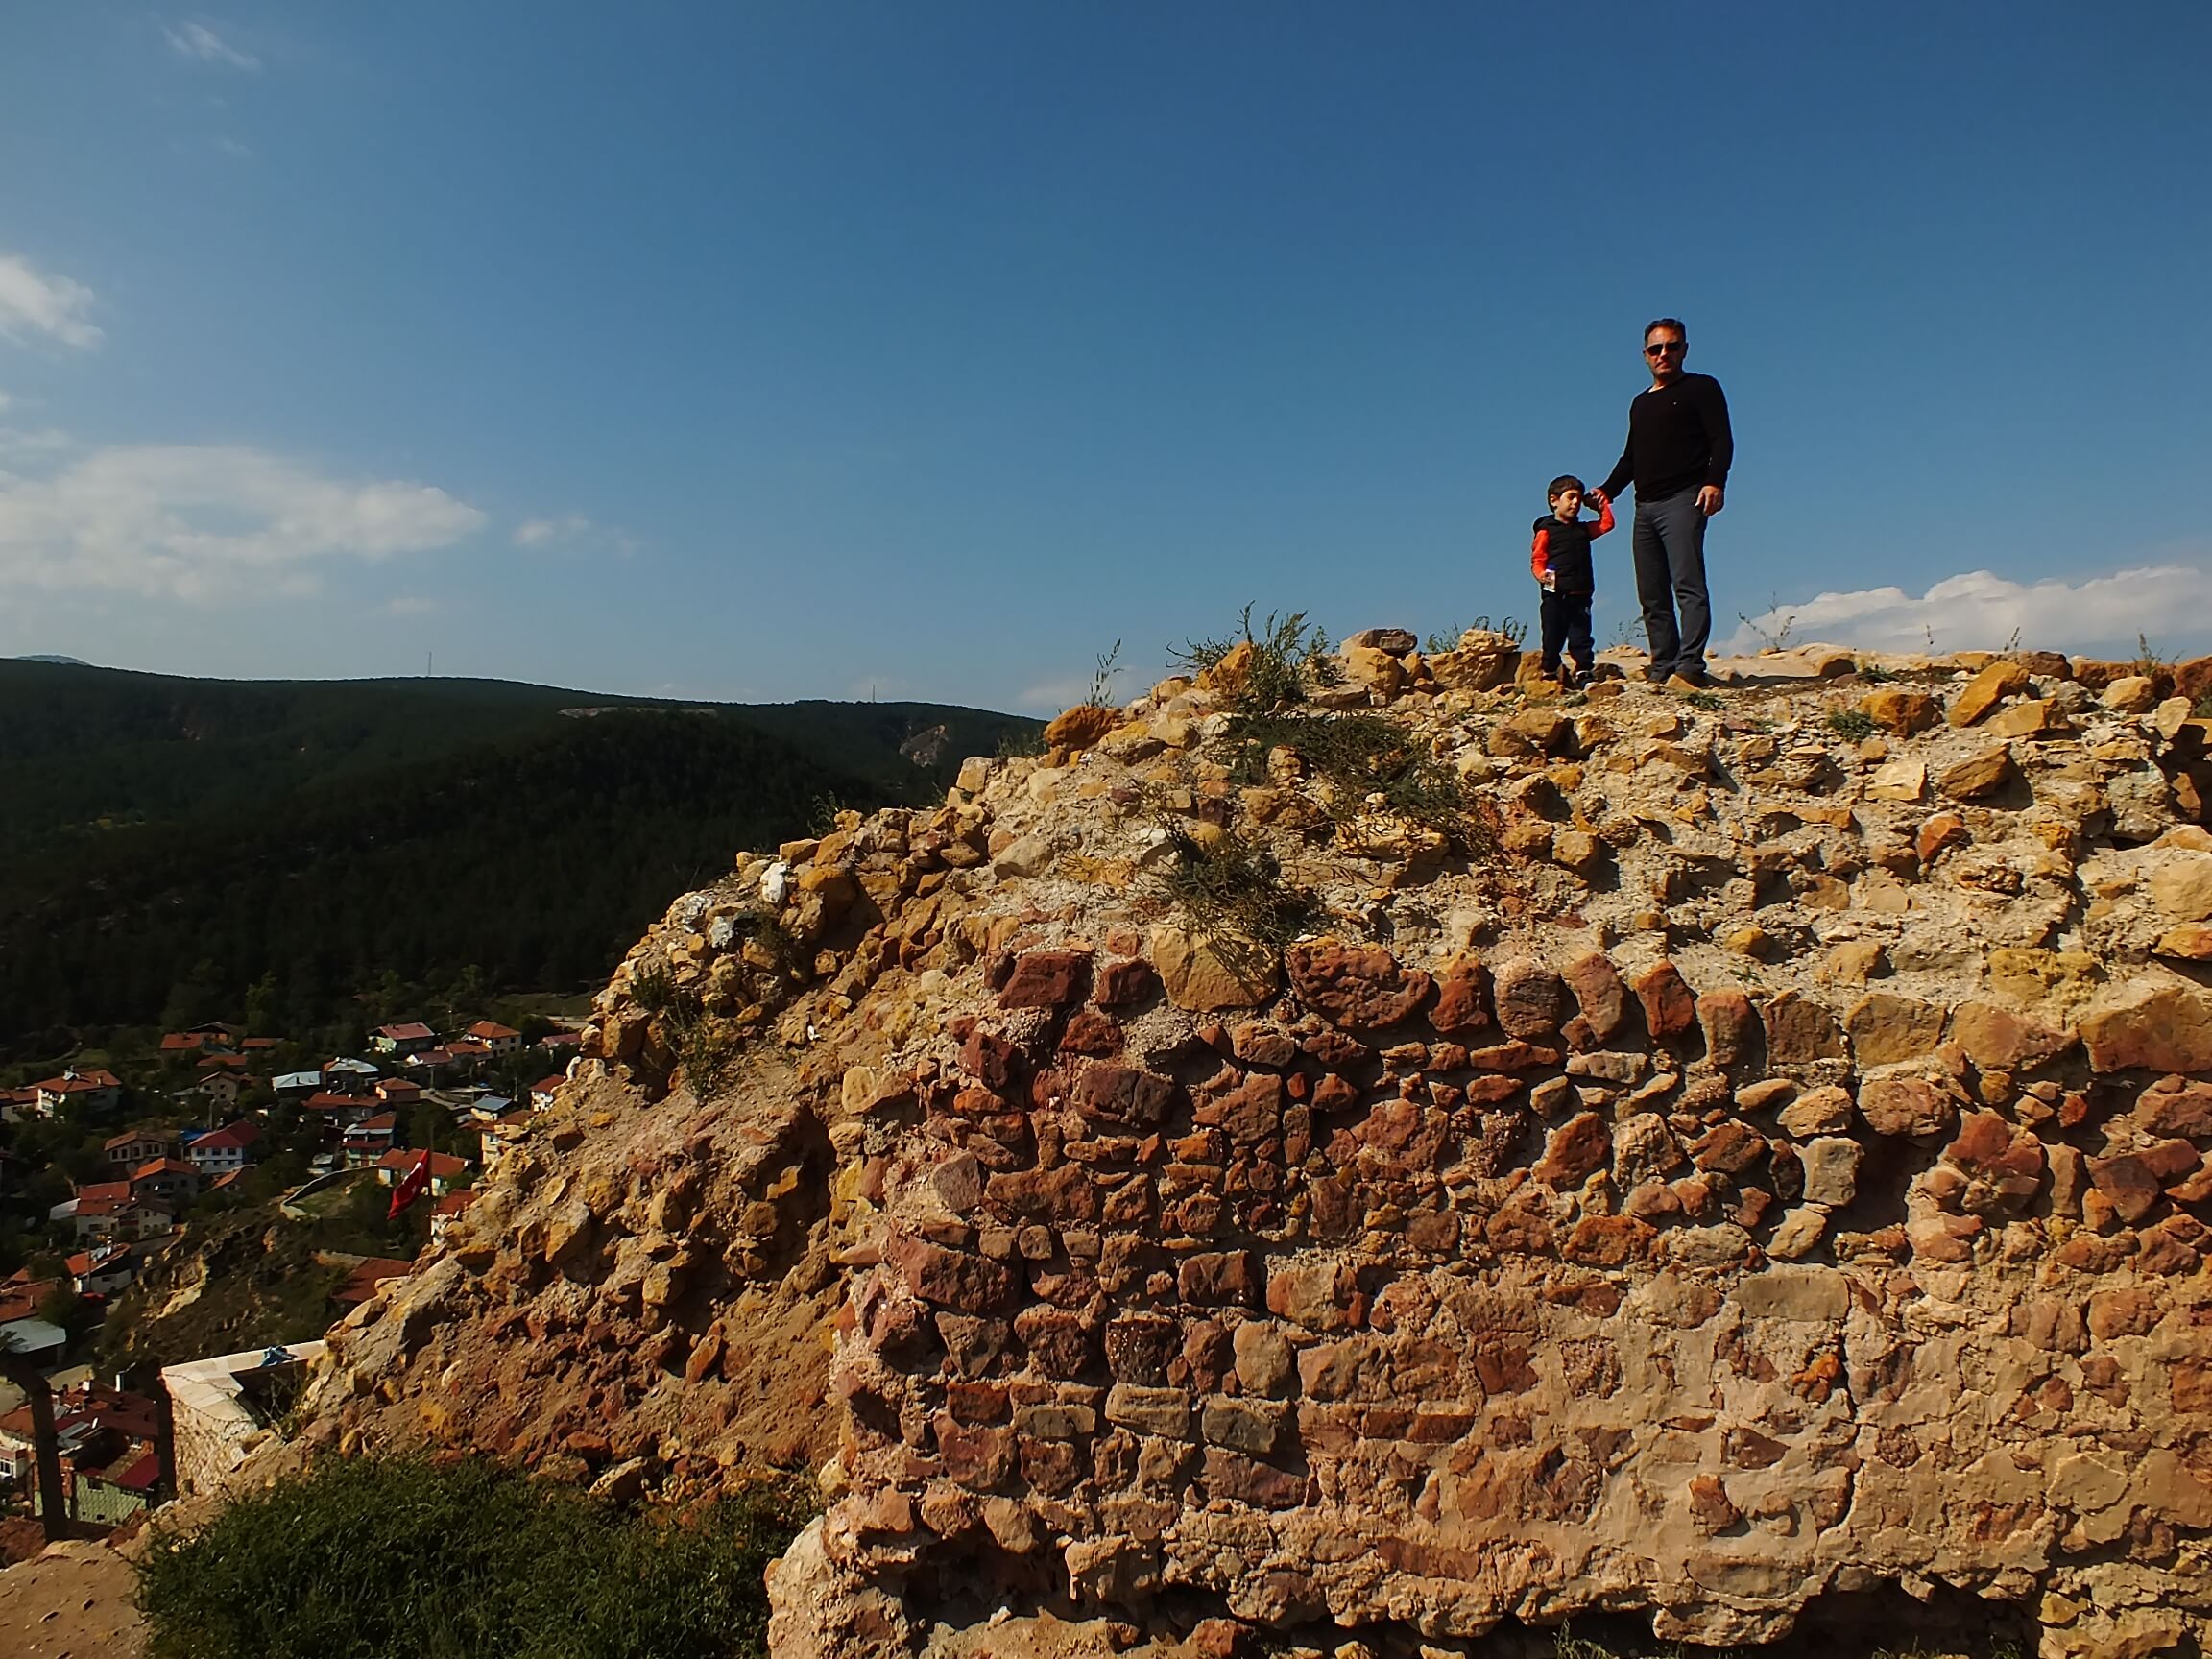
1690 680
1657 673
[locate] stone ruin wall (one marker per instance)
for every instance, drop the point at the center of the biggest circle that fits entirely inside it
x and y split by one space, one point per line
1776 1168
1507 1288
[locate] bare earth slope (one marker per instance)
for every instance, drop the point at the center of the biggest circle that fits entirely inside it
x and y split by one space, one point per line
1751 1164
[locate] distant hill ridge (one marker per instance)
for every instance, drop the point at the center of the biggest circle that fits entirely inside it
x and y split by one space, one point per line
165 830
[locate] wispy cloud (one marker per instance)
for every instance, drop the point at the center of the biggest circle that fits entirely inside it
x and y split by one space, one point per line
207 523
577 534
538 532
35 304
202 44
409 605
1980 610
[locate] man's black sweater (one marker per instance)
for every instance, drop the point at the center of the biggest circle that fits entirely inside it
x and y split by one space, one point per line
1678 438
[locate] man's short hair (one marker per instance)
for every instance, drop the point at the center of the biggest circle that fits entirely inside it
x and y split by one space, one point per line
1565 482
1674 322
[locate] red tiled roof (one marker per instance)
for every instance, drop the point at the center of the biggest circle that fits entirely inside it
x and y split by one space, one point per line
229 1178
95 1192
399 1089
467 1048
258 1043
23 1301
161 1166
141 1475
92 1078
324 1100
560 1039
178 1041
221 1063
404 1033
241 1135
546 1085
492 1031
453 1204
386 1121
159 1137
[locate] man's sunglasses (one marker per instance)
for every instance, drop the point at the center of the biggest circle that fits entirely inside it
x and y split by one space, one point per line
1663 347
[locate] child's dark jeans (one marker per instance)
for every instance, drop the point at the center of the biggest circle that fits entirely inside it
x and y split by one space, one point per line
1565 620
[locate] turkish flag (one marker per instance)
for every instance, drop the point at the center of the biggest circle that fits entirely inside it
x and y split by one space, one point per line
410 1187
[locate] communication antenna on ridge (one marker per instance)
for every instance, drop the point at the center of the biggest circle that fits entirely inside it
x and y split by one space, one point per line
429 663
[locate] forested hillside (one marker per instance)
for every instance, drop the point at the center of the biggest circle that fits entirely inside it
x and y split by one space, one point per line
169 846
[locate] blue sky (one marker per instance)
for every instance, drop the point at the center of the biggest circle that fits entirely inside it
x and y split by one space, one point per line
810 350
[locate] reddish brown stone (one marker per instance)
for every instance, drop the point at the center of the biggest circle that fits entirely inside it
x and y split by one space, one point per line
1905 1106
1512 1057
1223 1277
1333 1093
1050 1466
1063 1195
1249 1112
1062 1342
1124 982
1140 1347
1463 996
990 1058
1600 994
1046 979
1574 1150
951 1278
2175 1106
1730 1148
1091 1032
1243 1480
1732 1027
1258 1044
1526 995
1319 1295
2129 1183
1800 1031
1362 987
1669 1006
1608 1241
976 1456
1943 830
1122 1095
2169 1161
1709 1507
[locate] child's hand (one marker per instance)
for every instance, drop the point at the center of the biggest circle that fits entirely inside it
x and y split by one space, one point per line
1549 583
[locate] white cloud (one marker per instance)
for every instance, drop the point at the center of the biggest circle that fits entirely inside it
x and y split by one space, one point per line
34 303
202 523
409 605
537 532
198 42
1980 610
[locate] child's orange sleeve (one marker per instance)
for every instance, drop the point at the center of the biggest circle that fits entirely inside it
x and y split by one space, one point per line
1604 517
1540 555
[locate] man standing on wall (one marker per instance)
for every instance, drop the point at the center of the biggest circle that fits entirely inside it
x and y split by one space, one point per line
1679 454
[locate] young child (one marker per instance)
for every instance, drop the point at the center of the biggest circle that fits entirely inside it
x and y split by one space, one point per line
1561 561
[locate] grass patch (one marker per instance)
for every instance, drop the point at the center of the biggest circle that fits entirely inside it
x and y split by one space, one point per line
1512 627
1366 765
1287 660
705 1048
1232 893
1853 724
361 1558
1874 674
1709 700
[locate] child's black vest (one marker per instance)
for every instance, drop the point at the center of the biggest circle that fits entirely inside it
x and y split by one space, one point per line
1567 547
